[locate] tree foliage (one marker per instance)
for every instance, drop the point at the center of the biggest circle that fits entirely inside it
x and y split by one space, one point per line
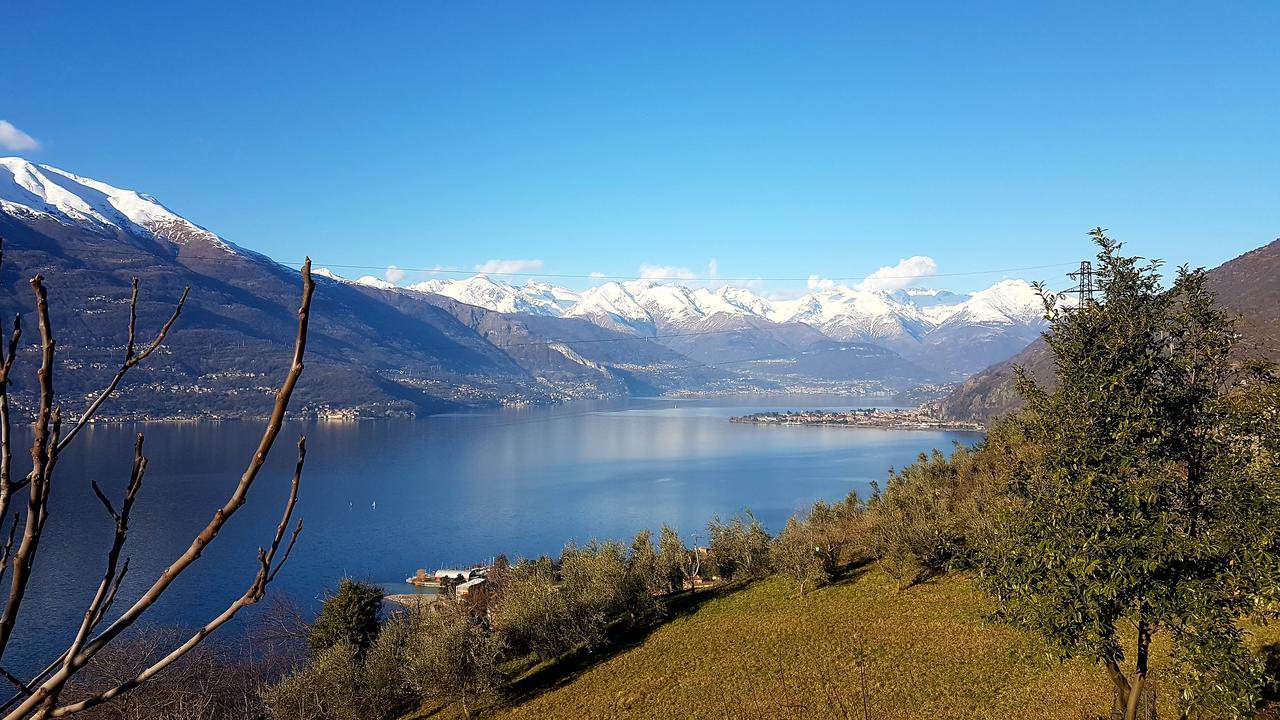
673 559
352 615
453 654
932 516
794 553
342 682
1150 504
739 547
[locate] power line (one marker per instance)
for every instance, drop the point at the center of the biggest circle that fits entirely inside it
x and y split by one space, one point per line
570 276
441 271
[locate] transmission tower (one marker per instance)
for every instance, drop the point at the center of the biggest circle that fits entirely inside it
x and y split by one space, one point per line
1084 282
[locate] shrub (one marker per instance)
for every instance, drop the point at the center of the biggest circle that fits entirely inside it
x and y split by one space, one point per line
453 654
739 547
351 615
342 683
795 554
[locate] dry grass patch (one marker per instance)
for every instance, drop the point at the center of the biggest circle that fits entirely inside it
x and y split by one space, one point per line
929 652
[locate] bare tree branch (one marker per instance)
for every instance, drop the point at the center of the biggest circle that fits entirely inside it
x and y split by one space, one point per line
83 650
18 683
130 359
7 550
110 581
41 456
257 589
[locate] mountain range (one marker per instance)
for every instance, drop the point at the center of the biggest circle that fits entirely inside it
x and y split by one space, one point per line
379 349
946 334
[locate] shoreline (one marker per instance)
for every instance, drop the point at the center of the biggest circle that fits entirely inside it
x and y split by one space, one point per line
868 419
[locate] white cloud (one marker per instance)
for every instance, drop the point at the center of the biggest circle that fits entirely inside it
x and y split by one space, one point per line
903 275
674 272
820 283
596 274
666 272
498 267
394 274
11 138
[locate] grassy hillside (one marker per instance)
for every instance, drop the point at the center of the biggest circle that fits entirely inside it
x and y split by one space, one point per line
930 652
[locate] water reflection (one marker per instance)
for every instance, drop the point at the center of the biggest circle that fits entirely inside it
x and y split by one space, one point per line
448 490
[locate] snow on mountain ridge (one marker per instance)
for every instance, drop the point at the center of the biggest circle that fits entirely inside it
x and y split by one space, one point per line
841 312
72 199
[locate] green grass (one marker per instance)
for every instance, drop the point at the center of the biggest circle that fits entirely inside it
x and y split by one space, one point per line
760 652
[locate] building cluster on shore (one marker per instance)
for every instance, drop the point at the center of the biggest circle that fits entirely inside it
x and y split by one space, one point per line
863 418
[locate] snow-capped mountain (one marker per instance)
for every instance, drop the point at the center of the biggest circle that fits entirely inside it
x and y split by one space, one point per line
917 322
43 190
1008 302
841 312
533 298
540 337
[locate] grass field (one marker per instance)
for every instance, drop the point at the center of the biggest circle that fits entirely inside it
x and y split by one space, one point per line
761 652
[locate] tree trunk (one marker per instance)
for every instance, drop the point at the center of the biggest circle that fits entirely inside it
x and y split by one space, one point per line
1140 677
1122 687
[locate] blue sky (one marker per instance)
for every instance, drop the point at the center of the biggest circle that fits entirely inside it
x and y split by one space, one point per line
781 140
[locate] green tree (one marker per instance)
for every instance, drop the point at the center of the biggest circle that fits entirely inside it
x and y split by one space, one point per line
454 655
342 683
1150 504
795 554
352 614
739 547
643 562
531 612
673 559
930 517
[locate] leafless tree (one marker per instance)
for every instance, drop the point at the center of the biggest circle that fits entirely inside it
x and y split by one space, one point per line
41 696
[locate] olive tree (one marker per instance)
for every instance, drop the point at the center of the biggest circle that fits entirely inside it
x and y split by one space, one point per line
452 654
740 547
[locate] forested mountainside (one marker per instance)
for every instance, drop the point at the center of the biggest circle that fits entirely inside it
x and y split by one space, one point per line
1248 286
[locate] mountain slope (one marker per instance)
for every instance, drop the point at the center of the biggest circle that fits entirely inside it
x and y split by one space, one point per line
1248 286
381 349
232 343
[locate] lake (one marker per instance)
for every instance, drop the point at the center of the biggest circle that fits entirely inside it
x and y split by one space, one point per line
380 499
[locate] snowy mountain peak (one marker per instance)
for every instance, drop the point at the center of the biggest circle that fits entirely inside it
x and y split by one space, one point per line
1008 302
843 313
70 199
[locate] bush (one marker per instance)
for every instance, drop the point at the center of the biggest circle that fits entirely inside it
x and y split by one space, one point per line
932 516
352 615
673 559
531 612
740 547
794 554
453 654
342 683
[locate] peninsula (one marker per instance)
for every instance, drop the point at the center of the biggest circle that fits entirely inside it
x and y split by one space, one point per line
862 418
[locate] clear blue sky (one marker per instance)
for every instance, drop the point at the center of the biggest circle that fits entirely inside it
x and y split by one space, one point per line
781 139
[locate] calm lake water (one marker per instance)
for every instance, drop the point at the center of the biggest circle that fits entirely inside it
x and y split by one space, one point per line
380 499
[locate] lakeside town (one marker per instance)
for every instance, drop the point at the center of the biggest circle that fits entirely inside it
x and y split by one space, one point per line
861 418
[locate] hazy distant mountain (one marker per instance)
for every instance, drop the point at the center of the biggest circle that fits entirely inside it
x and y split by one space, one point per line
1248 285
